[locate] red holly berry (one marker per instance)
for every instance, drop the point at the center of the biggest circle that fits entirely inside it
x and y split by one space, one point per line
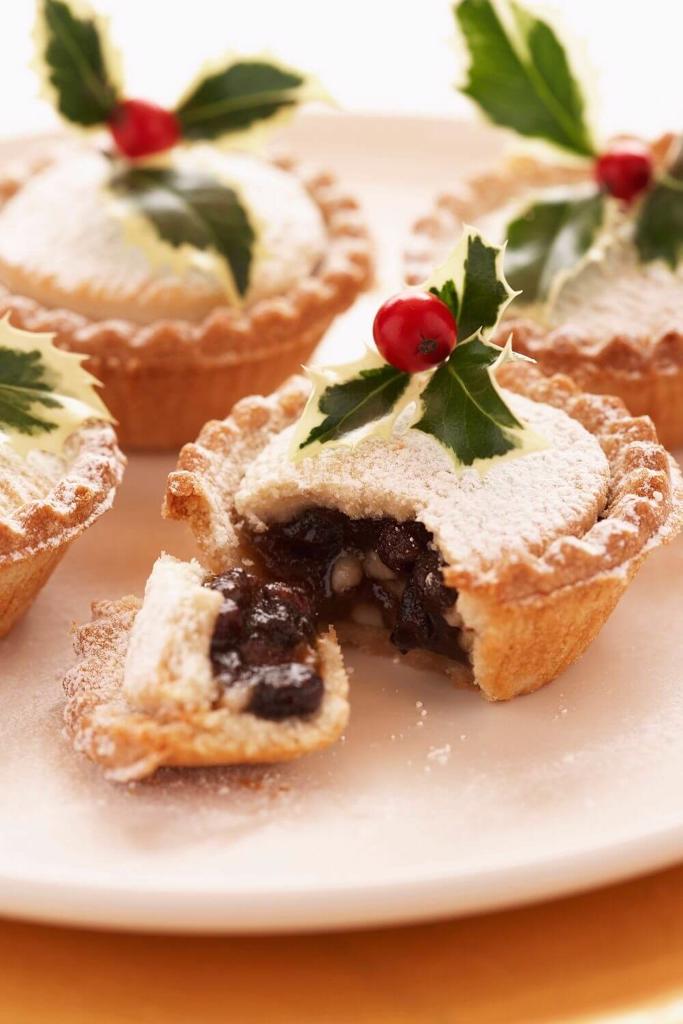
140 128
624 170
414 331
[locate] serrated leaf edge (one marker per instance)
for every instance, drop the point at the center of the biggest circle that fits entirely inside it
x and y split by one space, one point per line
111 55
253 139
139 232
453 268
524 438
327 376
65 365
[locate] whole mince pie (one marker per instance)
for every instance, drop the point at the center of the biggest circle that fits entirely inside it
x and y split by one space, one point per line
60 464
594 227
188 273
440 500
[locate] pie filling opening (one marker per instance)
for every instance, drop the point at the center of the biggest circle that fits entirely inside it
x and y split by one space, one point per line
379 573
326 567
262 649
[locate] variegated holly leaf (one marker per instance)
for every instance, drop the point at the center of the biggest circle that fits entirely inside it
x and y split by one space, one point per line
550 238
472 284
192 209
659 226
458 403
76 61
344 399
463 408
520 75
242 94
45 394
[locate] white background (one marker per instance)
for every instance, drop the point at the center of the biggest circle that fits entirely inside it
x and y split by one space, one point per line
377 55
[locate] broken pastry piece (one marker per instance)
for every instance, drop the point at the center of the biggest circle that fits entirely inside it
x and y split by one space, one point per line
207 670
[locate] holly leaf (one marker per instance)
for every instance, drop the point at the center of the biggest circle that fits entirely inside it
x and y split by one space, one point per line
195 210
472 284
240 95
458 403
76 63
659 226
465 411
45 394
346 398
549 239
520 75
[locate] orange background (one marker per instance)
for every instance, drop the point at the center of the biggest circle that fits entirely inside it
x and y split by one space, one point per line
615 955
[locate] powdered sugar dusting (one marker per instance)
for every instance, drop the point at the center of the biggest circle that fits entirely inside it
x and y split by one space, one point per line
518 506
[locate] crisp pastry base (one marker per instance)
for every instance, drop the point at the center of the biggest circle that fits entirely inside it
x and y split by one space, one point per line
646 372
37 535
162 381
132 744
538 613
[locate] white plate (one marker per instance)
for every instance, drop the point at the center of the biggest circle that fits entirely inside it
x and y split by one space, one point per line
435 803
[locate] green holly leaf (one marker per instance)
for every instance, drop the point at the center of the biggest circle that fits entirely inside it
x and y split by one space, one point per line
241 95
659 226
76 63
520 75
346 398
45 394
464 410
195 210
473 285
458 403
549 239
23 387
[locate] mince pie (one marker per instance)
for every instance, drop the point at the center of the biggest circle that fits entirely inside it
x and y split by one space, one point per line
499 579
59 463
594 242
188 275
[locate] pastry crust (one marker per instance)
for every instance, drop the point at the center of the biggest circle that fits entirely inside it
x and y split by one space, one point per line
644 370
163 380
534 614
35 536
131 744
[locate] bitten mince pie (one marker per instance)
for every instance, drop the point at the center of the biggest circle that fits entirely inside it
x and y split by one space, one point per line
594 240
208 669
59 463
440 499
188 275
486 531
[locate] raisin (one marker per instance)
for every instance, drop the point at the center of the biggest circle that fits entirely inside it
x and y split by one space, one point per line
414 625
317 535
284 691
429 582
362 534
400 544
228 628
281 615
235 584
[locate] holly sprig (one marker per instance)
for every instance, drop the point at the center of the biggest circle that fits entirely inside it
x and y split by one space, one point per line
458 403
236 98
80 65
45 394
522 78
